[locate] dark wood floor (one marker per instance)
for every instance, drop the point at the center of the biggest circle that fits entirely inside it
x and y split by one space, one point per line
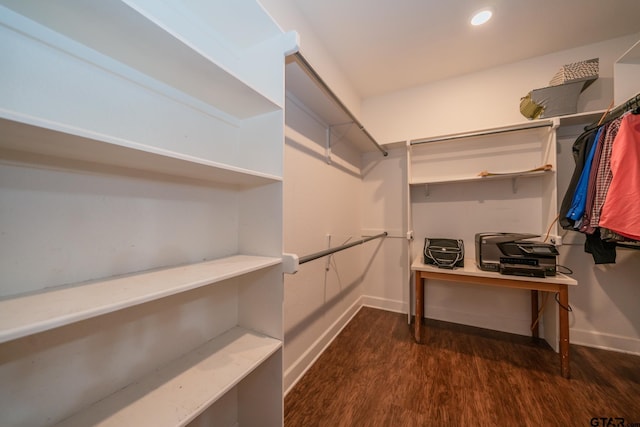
374 374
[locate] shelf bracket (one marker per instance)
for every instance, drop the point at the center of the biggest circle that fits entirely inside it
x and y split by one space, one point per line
330 142
514 184
426 190
327 265
290 263
327 149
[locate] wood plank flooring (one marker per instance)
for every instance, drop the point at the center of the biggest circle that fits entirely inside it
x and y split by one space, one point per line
374 374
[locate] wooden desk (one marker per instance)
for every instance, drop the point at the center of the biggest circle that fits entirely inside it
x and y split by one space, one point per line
471 274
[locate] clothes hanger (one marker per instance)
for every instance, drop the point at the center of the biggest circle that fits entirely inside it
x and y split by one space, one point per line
605 114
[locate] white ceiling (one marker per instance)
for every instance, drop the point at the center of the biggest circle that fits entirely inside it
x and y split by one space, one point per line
387 45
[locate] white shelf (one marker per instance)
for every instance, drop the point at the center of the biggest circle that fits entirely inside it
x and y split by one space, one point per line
30 140
518 127
187 92
180 50
449 180
303 90
27 314
585 118
178 392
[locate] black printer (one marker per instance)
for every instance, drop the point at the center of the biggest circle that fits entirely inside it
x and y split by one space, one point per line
511 253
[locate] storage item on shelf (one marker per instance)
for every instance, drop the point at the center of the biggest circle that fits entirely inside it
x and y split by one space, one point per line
578 71
561 96
444 252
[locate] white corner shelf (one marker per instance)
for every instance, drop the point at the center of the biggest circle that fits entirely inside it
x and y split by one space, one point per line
28 314
29 140
175 394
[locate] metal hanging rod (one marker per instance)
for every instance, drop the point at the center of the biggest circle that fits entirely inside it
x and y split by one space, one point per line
630 104
309 69
330 251
482 132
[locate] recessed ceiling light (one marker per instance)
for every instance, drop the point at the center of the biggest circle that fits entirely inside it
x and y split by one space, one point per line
481 17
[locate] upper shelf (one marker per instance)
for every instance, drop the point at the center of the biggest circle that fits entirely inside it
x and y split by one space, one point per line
47 143
169 41
304 86
28 314
553 122
130 85
486 132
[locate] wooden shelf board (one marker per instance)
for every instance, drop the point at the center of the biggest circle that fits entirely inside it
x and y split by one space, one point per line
177 393
26 314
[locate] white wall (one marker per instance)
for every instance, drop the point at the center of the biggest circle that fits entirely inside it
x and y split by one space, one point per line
321 199
485 99
384 198
603 313
50 214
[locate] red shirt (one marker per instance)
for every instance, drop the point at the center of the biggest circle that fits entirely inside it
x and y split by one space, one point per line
621 209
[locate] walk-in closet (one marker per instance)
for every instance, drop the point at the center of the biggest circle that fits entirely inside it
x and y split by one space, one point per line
297 213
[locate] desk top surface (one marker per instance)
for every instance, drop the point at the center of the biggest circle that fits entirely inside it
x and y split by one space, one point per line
470 269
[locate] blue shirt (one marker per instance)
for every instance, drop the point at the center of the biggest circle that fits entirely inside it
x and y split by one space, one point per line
579 200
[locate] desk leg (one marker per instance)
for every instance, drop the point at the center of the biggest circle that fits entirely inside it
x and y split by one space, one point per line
417 327
535 331
564 331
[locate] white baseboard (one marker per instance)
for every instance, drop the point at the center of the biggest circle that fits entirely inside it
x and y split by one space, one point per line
384 304
605 341
298 368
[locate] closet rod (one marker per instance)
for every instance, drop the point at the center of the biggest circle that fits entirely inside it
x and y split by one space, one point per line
330 251
309 69
482 133
630 104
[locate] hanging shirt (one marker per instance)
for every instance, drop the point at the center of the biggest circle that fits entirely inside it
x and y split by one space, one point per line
591 187
580 196
580 148
603 177
621 209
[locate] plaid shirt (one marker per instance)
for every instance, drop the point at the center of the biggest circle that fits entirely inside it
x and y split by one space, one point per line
603 175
